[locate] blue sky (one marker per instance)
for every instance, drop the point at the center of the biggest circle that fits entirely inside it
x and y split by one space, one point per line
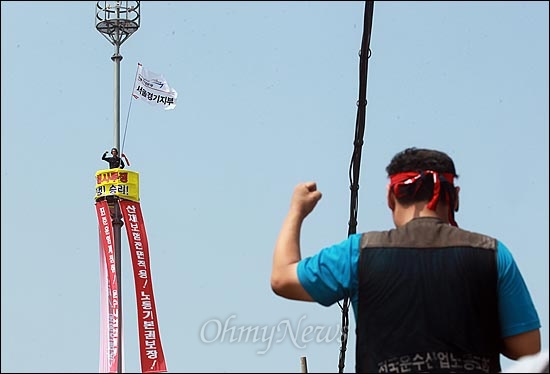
267 97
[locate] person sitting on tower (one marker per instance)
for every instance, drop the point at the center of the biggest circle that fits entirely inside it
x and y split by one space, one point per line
114 161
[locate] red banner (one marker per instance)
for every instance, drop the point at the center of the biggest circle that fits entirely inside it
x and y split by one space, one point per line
152 356
109 296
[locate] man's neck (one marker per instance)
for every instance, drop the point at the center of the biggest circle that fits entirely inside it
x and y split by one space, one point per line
404 214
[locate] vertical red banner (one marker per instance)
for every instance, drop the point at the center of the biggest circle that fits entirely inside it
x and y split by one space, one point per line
152 356
109 315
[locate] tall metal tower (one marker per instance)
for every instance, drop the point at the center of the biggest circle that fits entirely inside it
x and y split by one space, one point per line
117 21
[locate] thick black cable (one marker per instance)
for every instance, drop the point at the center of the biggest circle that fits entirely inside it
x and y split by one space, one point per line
355 164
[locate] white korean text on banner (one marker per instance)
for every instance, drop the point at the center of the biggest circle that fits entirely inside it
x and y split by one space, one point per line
151 353
154 89
109 323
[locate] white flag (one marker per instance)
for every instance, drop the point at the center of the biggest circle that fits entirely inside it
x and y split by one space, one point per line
154 89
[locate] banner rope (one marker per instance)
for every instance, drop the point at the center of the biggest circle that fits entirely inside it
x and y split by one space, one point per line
128 118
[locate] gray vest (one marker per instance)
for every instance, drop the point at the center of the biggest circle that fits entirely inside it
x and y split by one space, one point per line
427 300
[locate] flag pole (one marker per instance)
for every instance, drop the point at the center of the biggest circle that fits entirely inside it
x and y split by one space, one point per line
117 217
128 116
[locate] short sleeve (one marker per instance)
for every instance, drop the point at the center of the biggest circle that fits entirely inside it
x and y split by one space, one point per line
331 274
516 308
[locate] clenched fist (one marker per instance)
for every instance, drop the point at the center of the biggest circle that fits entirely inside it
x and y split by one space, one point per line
305 198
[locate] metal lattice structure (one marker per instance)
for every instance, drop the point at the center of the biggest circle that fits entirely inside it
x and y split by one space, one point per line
117 20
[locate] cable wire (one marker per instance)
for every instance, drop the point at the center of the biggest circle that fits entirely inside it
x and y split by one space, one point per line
355 163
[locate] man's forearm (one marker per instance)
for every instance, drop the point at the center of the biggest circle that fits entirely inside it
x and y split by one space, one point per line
284 277
287 256
287 247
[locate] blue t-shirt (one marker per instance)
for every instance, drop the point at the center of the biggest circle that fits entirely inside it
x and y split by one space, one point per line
331 275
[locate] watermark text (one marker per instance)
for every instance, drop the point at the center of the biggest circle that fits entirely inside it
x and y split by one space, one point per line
299 333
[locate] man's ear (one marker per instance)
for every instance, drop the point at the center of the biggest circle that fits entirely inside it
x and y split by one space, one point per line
390 198
457 190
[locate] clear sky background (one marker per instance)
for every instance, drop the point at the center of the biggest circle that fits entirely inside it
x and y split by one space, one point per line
267 96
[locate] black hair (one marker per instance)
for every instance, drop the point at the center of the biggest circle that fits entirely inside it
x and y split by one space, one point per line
418 160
